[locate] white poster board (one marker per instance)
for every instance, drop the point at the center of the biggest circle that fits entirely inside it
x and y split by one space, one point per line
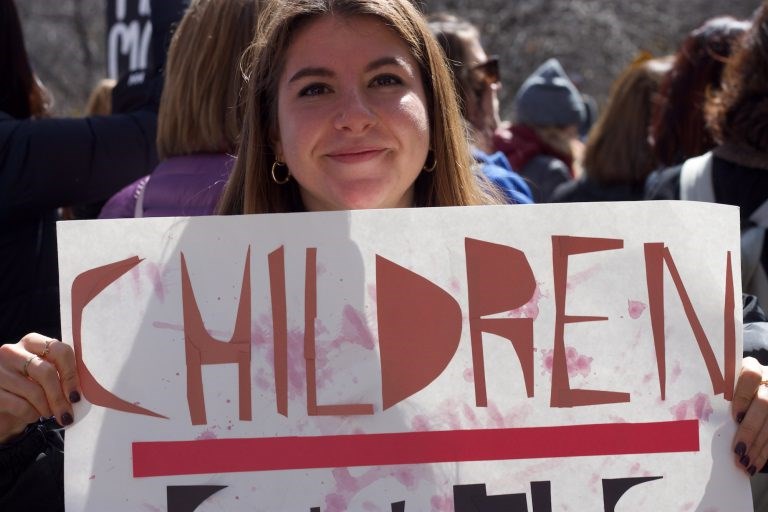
512 358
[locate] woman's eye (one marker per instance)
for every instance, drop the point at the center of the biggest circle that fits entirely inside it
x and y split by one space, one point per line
385 80
314 90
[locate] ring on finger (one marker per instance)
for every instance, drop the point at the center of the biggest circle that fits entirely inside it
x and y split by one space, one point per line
47 348
25 370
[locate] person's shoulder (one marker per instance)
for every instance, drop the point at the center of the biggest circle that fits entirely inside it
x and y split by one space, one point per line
566 192
548 163
664 183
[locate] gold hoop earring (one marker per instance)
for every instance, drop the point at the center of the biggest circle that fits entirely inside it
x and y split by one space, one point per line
427 166
287 177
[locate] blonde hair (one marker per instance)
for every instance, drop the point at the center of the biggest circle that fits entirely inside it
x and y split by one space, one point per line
250 188
199 108
100 100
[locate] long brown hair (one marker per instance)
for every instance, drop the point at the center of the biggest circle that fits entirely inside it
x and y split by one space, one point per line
618 149
738 113
250 188
200 110
677 126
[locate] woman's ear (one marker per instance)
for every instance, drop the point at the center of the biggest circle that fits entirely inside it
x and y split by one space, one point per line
277 146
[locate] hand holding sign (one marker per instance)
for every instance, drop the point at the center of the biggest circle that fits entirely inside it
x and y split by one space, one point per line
37 374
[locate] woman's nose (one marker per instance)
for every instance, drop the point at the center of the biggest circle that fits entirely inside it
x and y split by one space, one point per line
354 112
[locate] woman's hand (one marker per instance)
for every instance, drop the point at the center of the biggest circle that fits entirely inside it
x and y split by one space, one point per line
37 379
750 410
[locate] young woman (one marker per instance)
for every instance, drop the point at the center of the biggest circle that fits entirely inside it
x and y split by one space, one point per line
326 129
200 115
618 155
378 128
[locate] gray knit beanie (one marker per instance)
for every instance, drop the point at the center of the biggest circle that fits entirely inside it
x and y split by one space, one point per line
548 97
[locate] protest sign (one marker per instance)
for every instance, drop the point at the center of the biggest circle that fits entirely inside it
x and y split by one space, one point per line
129 33
503 358
138 34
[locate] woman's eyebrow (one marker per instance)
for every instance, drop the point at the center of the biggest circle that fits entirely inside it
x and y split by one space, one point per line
386 61
311 72
327 73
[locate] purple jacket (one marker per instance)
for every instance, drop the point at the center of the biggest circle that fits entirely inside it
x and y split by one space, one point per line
180 186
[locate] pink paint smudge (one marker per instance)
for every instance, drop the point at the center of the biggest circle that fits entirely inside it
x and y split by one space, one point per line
207 434
576 363
420 423
455 286
469 415
354 329
155 275
697 407
136 280
469 375
531 308
347 486
441 503
635 308
676 371
581 277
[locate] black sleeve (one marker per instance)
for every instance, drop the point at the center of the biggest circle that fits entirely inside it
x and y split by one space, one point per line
32 470
755 330
47 163
664 184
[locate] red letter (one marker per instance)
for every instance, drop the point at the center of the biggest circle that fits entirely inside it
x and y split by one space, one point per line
202 348
562 394
499 279
656 255
419 330
310 314
85 288
279 327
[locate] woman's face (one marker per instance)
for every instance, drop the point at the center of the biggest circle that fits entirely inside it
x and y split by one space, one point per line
482 106
353 124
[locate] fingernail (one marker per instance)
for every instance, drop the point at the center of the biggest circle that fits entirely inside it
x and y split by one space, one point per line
74 397
752 470
740 417
66 419
744 460
740 449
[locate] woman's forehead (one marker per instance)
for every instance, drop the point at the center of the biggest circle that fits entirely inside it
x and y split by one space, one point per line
327 36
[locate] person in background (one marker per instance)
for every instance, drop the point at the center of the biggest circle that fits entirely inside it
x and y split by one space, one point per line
99 104
543 144
200 114
48 163
618 156
735 172
100 101
477 80
678 127
324 129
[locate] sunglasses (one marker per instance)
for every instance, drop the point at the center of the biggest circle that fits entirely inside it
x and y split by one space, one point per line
487 73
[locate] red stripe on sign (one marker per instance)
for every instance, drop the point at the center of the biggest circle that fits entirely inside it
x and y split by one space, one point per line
166 458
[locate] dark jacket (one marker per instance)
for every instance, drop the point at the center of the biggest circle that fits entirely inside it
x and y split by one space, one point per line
584 190
745 186
45 164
